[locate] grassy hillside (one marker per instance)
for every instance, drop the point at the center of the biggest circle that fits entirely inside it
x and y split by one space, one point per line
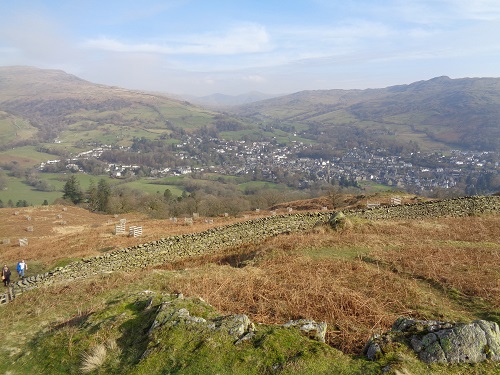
451 112
63 106
14 129
357 280
50 115
43 105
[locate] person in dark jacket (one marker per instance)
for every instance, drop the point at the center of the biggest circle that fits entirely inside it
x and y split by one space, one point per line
6 275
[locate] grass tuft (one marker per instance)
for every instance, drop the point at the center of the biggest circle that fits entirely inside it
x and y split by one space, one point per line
94 359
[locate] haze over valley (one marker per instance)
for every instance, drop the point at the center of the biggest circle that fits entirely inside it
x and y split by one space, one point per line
437 138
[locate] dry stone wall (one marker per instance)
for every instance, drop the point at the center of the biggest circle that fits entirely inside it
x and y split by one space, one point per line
464 206
252 231
171 248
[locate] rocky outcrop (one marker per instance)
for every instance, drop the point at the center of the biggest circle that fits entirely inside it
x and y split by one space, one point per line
173 315
440 342
311 329
238 326
339 221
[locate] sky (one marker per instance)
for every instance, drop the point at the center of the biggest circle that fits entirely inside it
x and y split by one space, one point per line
201 47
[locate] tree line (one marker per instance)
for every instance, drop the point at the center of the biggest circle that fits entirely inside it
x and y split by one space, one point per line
208 198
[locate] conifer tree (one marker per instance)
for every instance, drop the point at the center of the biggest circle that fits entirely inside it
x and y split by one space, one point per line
92 199
103 195
72 190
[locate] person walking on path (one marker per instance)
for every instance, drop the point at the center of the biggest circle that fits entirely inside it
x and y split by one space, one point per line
22 267
6 275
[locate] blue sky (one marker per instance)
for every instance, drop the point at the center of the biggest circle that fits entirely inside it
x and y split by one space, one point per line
201 47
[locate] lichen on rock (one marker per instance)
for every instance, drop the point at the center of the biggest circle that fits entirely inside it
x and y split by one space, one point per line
440 342
313 330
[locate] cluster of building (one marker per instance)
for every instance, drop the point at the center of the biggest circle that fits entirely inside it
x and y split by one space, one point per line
271 161
418 170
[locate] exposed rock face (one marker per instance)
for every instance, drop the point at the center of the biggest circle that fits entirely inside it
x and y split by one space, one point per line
235 325
440 342
313 330
169 315
238 326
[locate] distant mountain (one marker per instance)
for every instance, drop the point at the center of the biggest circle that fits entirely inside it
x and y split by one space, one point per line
223 100
38 105
53 103
457 112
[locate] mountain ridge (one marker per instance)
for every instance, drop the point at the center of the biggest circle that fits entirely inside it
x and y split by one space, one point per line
459 112
53 101
456 113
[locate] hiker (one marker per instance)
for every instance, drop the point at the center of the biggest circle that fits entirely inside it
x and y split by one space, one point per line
6 275
21 268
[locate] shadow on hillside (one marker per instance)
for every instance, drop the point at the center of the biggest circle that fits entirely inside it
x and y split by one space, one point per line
493 316
54 350
238 260
134 338
76 321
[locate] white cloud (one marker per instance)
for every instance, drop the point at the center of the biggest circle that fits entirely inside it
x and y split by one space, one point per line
250 38
300 44
112 45
209 81
359 41
421 33
344 33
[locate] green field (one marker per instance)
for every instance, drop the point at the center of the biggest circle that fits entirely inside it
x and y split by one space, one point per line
26 156
149 186
253 134
373 187
18 190
13 129
258 185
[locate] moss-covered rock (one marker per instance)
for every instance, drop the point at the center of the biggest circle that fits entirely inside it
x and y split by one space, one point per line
440 342
339 221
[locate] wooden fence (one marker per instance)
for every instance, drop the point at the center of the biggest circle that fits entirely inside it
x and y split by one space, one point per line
135 231
396 200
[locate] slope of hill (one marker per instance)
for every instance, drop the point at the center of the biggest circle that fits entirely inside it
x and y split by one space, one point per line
47 105
357 280
63 106
456 112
